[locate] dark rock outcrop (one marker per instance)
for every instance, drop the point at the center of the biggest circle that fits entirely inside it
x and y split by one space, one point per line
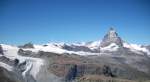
72 73
16 62
25 52
107 71
1 50
5 77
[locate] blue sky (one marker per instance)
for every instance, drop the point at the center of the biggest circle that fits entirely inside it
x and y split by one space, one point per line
42 21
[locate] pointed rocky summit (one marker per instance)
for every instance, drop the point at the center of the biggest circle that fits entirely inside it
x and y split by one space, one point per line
111 37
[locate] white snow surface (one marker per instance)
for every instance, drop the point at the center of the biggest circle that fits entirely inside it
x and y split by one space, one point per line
56 49
49 48
94 45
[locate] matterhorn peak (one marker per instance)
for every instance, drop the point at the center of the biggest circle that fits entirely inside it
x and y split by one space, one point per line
111 37
112 33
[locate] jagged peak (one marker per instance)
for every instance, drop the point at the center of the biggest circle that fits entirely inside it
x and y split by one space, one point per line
111 37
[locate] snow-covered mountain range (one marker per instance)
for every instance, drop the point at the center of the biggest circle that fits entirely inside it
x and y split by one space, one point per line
26 62
111 42
87 48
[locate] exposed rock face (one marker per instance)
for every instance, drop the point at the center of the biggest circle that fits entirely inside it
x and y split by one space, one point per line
28 45
111 37
1 50
5 77
6 60
25 53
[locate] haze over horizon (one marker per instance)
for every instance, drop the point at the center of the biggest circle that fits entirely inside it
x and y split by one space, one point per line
42 21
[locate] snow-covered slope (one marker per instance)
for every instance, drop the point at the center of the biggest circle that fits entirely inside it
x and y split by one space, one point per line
111 47
60 48
136 48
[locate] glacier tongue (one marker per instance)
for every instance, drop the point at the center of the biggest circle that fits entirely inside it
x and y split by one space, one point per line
32 66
